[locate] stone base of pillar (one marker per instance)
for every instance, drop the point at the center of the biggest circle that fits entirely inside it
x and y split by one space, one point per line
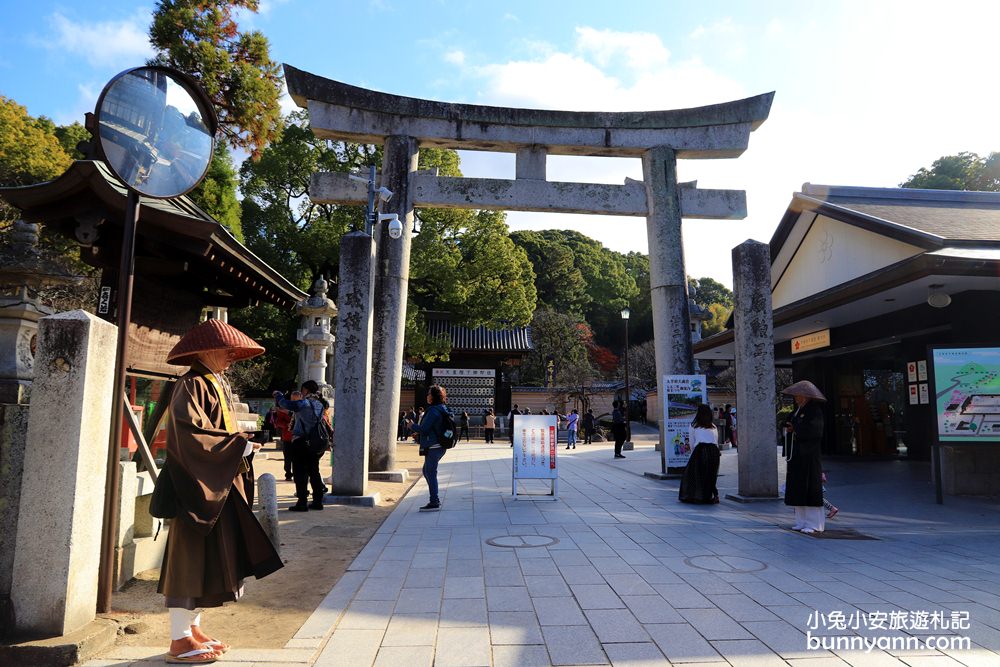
370 500
752 499
71 649
662 476
628 446
389 476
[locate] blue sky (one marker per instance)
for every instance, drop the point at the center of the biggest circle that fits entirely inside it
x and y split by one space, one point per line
866 92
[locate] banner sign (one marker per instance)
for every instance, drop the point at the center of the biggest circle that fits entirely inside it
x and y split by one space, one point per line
535 447
813 341
965 393
682 395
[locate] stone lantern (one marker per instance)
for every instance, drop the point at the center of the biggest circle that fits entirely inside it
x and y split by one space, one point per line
24 270
317 311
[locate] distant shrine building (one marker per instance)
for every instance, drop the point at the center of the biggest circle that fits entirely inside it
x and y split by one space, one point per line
864 282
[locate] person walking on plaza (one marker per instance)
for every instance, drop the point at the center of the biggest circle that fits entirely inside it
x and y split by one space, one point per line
489 425
589 426
305 463
618 427
463 429
571 423
403 428
215 541
431 448
804 477
510 422
702 471
727 428
283 421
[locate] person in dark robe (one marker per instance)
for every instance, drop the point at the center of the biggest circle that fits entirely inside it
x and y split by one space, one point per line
215 541
804 473
702 471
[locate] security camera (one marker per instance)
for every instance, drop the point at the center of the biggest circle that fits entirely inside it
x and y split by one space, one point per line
384 193
395 226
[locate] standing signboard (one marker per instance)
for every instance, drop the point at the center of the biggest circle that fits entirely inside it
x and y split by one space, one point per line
683 393
535 446
964 393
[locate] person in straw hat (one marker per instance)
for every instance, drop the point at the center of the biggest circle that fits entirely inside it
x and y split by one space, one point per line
804 478
215 540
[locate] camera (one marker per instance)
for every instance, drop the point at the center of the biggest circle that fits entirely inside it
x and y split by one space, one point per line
384 193
395 226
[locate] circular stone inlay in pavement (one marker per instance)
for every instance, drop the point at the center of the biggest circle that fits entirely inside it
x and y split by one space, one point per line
522 541
733 564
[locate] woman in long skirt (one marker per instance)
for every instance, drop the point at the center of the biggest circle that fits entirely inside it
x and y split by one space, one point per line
804 478
702 470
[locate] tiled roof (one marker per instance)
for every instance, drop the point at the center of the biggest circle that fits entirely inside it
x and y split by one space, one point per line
948 214
480 339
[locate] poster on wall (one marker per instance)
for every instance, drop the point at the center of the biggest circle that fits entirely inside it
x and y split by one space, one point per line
965 393
911 371
914 396
535 446
922 371
924 394
683 394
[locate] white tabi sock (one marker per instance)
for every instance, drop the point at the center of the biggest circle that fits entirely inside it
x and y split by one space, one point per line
181 621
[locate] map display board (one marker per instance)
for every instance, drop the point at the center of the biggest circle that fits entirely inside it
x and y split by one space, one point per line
535 446
965 393
683 394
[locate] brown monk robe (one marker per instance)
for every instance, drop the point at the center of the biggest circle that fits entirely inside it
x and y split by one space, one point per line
215 541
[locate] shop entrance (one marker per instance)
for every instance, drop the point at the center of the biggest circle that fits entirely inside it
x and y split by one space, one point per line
869 407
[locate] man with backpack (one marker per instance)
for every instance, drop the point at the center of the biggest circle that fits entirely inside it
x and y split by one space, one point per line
309 411
437 435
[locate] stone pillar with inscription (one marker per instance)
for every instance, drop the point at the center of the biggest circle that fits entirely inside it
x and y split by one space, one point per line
755 390
354 365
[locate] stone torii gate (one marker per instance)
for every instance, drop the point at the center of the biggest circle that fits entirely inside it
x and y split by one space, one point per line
342 112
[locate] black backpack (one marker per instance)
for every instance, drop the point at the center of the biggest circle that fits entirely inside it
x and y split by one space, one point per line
446 436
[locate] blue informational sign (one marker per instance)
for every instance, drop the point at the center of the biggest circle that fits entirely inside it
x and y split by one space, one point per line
965 390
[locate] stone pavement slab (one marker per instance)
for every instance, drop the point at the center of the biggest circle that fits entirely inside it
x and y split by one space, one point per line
633 577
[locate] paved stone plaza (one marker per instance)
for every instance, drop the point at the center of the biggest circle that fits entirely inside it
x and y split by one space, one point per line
626 575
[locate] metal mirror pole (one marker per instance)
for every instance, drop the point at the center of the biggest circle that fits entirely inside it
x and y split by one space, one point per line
126 270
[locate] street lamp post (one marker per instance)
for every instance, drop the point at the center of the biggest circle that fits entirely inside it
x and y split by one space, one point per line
628 393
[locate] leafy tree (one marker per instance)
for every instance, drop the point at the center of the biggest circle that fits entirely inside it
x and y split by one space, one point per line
202 39
606 281
559 283
640 307
281 224
70 136
720 313
708 291
965 171
216 194
464 262
559 340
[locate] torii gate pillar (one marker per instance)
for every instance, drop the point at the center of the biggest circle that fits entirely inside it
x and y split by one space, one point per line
667 277
392 277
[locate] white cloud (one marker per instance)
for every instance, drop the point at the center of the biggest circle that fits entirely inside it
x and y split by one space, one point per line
641 50
455 57
102 43
723 27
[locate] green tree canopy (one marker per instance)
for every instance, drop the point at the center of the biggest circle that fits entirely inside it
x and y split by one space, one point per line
464 262
708 291
560 340
965 171
202 39
607 285
216 194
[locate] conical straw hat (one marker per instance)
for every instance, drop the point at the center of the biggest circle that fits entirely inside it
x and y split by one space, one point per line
804 388
209 336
